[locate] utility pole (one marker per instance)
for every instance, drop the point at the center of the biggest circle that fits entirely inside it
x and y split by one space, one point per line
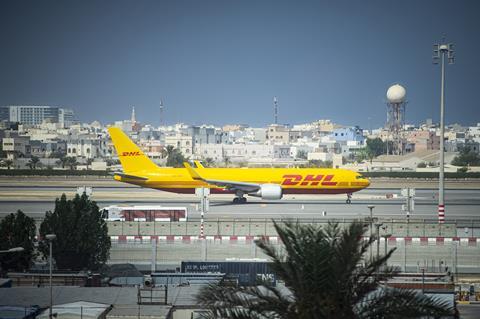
371 207
409 206
50 238
440 52
378 225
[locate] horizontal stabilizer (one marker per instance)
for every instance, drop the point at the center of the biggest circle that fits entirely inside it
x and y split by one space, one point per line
193 173
198 164
140 178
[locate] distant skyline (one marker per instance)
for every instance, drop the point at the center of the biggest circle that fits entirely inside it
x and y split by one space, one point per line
222 61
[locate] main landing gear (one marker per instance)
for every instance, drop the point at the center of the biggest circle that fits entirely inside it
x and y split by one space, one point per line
349 198
239 199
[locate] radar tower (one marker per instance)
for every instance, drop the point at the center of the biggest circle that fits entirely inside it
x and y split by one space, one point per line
396 117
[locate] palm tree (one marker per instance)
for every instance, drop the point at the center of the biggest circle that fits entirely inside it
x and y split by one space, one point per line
6 163
326 276
33 162
72 163
226 161
62 160
209 162
167 151
89 162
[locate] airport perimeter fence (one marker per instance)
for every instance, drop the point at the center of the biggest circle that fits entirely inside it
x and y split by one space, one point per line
462 256
265 227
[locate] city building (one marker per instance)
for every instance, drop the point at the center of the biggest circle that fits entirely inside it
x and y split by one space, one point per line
37 114
241 152
15 145
278 134
181 141
348 134
87 148
424 140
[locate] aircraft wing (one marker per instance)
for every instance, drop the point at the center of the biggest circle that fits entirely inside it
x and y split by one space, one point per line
231 185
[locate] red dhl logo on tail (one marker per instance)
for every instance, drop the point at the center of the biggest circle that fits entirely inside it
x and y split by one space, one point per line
136 153
312 180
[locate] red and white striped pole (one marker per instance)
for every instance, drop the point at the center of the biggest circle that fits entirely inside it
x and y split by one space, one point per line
201 225
441 214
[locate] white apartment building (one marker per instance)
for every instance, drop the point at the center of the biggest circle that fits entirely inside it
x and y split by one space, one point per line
182 142
16 145
241 152
37 114
87 148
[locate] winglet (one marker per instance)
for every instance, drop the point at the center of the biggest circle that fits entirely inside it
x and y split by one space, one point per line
198 164
193 173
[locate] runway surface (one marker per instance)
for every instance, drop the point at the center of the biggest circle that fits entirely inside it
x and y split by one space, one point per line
461 203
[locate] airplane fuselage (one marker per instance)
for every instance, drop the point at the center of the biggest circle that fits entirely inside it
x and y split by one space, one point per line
291 180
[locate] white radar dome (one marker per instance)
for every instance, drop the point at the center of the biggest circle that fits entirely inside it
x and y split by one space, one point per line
396 94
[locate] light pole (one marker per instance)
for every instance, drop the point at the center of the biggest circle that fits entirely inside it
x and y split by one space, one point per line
50 238
442 51
386 236
371 207
13 250
378 225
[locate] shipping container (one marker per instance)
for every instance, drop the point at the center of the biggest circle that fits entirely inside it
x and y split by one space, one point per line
247 273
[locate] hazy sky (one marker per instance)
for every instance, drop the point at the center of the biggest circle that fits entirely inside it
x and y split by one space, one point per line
223 61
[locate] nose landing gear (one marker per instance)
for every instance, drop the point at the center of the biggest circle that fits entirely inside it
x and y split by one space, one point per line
349 198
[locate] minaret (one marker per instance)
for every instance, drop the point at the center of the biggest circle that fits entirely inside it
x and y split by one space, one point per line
134 120
161 112
275 110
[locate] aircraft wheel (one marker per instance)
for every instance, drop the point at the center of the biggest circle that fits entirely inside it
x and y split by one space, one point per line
243 200
236 200
349 201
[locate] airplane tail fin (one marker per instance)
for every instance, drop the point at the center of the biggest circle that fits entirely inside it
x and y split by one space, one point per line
130 155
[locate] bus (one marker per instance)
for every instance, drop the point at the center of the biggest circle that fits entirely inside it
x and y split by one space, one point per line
144 213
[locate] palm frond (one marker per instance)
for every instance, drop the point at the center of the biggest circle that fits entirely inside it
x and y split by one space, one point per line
401 303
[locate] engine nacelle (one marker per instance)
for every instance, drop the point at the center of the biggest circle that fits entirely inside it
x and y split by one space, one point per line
268 191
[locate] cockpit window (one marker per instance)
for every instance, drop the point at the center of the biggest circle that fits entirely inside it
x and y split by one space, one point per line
359 177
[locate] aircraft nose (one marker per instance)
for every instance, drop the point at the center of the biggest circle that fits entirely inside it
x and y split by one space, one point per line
368 182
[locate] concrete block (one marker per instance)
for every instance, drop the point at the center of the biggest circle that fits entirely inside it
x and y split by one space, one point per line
210 228
146 228
270 229
241 228
432 230
114 228
448 230
225 228
416 229
131 228
162 228
398 229
178 228
257 228
193 228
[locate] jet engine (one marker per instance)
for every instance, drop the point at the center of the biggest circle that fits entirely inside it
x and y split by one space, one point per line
268 191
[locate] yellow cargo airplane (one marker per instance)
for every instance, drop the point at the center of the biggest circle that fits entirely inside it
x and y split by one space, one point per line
266 183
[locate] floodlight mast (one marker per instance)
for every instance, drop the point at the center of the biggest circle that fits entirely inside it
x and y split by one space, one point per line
442 52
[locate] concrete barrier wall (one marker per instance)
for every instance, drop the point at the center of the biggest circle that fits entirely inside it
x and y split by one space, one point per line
240 227
459 257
